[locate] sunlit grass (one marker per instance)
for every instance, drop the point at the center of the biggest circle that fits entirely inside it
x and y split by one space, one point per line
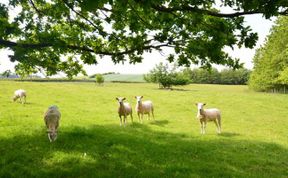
92 144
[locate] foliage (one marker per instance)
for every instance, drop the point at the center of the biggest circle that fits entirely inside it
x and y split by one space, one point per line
99 79
165 77
271 60
6 73
90 142
234 77
56 35
283 77
24 70
213 76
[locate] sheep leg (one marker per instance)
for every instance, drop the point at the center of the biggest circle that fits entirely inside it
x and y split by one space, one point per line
142 117
153 114
139 117
24 99
219 124
125 118
120 120
131 117
216 123
149 116
203 127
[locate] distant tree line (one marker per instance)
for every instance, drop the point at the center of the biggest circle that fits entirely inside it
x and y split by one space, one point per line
213 76
166 78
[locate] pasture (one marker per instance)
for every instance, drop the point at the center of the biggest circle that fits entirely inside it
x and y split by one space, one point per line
91 143
124 78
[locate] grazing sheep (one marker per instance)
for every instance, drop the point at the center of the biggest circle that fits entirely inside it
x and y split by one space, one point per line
144 107
124 110
20 94
205 115
51 118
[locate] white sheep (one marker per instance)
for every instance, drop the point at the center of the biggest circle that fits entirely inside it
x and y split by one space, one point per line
205 115
143 107
51 118
20 94
124 110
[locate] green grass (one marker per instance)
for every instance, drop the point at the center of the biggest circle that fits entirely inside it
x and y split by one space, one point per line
124 78
92 144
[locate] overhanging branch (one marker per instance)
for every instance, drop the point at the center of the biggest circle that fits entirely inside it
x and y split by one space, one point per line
208 12
10 44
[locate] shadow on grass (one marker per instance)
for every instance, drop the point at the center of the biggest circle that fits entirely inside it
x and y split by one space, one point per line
137 151
175 89
29 103
20 103
228 134
159 122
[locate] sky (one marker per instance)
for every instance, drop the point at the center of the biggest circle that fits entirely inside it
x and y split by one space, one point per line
257 23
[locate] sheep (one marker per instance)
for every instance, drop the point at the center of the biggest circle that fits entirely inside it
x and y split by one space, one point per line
144 107
205 115
124 110
20 94
51 119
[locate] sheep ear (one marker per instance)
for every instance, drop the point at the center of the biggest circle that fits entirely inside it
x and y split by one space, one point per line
135 97
196 104
117 98
124 98
204 104
141 96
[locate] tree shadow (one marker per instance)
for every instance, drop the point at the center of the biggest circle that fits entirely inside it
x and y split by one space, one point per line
175 89
137 151
160 122
228 134
29 103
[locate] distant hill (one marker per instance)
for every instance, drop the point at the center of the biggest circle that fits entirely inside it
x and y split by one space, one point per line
124 78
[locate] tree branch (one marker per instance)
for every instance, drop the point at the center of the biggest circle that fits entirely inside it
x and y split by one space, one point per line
12 45
85 18
141 19
208 12
40 13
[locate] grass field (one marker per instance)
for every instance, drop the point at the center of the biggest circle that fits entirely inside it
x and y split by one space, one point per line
92 144
124 78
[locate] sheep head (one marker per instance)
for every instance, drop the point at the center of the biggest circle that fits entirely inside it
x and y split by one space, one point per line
138 98
52 135
15 98
120 100
200 106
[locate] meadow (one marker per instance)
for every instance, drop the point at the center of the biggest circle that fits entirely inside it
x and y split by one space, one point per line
124 78
91 143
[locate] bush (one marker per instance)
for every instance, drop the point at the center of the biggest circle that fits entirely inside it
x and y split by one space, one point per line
164 77
99 79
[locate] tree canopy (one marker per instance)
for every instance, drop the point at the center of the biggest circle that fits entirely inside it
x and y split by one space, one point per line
61 35
271 60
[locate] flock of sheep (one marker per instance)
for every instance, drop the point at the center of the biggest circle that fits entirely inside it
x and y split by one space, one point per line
53 115
142 107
